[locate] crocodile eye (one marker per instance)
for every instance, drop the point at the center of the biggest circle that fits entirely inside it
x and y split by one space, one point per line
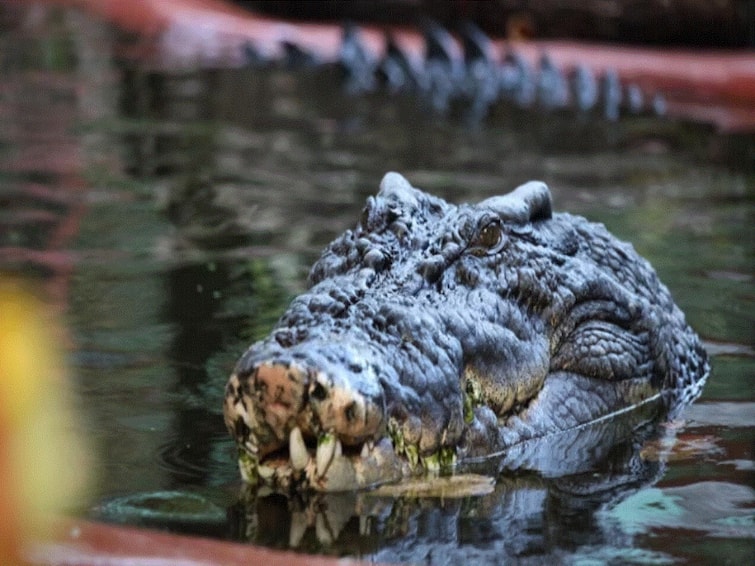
488 239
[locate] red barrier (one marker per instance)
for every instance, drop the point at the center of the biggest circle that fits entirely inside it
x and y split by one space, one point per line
85 542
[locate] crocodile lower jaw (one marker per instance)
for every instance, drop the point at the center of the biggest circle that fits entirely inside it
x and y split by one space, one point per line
327 468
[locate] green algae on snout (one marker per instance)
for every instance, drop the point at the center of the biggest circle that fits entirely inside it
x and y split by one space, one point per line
440 461
248 466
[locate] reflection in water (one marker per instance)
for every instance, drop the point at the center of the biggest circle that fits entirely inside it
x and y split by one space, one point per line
172 215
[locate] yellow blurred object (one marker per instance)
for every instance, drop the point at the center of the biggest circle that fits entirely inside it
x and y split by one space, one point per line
44 462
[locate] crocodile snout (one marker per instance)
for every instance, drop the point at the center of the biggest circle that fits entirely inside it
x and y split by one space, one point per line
306 421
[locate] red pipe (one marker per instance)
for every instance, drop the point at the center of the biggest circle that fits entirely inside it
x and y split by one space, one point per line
85 542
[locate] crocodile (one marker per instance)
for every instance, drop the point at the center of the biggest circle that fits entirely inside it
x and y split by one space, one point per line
466 73
434 335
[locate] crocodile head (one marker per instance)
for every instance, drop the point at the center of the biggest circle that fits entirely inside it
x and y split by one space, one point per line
434 334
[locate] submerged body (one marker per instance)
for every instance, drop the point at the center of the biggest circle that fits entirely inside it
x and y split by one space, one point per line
435 334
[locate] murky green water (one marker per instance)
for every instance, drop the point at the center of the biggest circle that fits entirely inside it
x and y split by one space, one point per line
171 216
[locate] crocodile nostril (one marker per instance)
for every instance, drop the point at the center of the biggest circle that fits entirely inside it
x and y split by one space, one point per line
318 391
350 412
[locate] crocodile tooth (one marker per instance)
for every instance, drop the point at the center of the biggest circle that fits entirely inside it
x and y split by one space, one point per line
297 450
365 452
326 449
265 472
251 444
